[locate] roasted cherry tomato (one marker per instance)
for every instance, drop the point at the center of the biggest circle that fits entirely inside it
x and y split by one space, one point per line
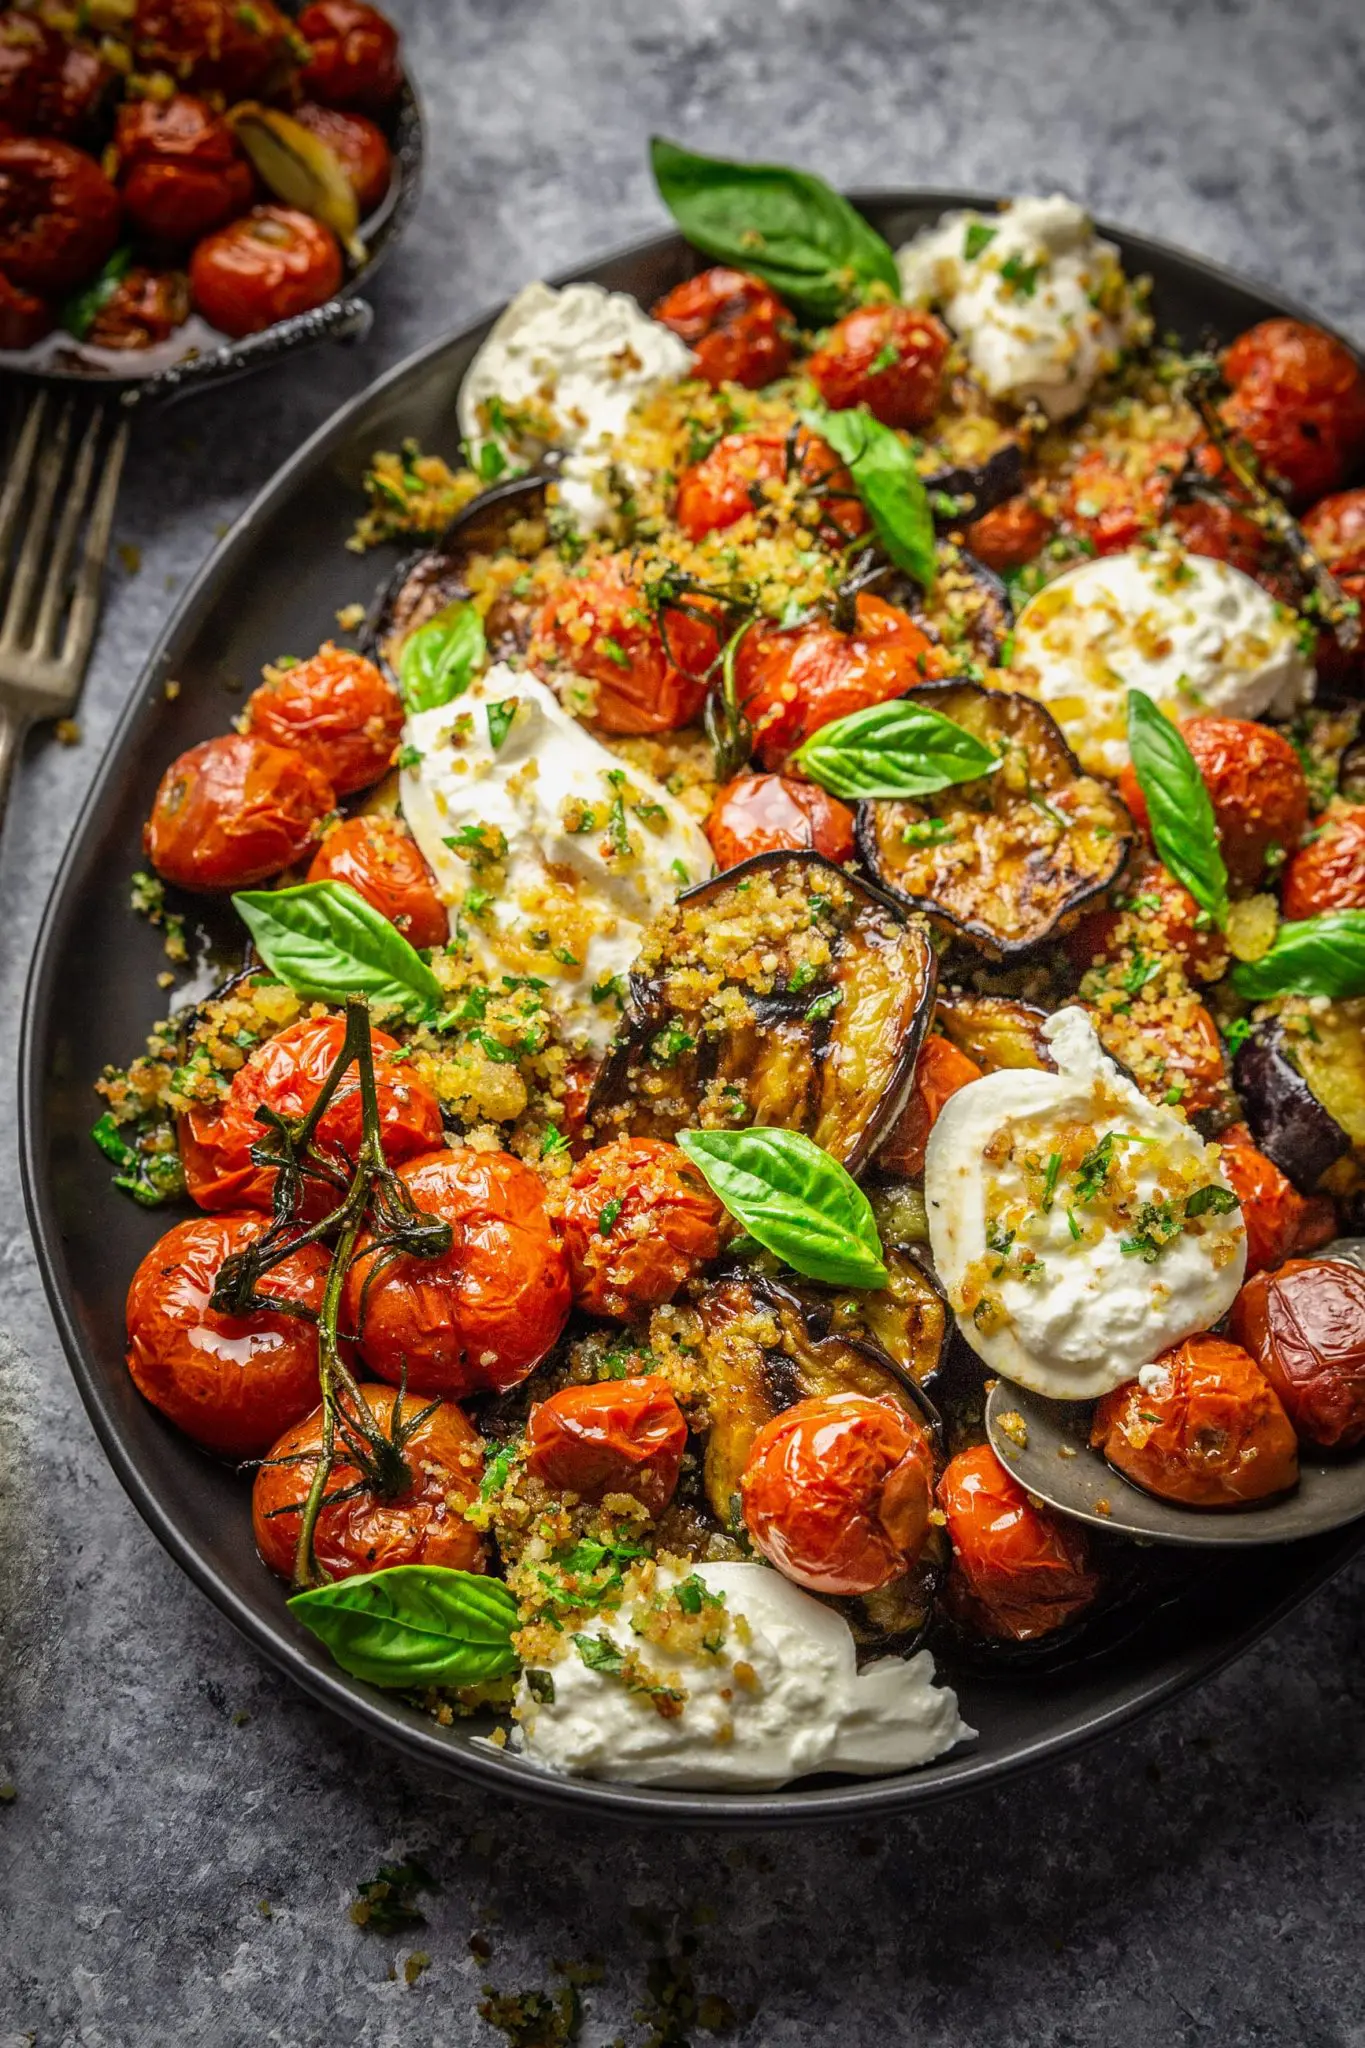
233 811
1257 786
380 860
354 60
1111 500
1212 1433
24 317
1335 528
48 84
211 45
180 170
145 307
838 1491
888 358
770 813
1156 914
1298 399
357 144
1279 1220
59 215
646 668
940 1071
1305 1327
230 1382
1018 1570
337 709
639 1220
620 1436
1329 873
486 1313
285 1075
792 680
797 475
364 1529
739 332
1213 527
1009 535
271 264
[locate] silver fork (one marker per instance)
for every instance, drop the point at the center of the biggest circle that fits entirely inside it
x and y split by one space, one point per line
56 513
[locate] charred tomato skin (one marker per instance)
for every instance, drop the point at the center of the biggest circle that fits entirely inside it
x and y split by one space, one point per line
231 1383
1298 399
1255 782
888 358
1018 1571
1305 1327
1279 1220
1214 1435
1329 873
484 1314
233 811
940 1071
144 308
837 1492
770 813
381 861
181 173
59 215
617 1436
269 265
738 330
639 1221
792 680
731 481
211 45
423 1525
354 60
359 146
1009 535
647 666
338 710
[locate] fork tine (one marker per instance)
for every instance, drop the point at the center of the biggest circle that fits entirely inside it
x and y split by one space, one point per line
85 604
51 463
16 476
73 511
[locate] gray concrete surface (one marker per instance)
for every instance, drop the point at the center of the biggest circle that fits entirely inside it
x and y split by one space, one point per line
1196 1882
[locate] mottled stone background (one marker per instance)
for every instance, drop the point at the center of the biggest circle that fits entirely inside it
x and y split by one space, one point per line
1195 1882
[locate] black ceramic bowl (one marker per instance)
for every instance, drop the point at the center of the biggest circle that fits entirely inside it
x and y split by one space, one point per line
273 587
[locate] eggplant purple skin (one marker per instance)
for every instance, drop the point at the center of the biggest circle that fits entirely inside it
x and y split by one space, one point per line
1285 1117
977 488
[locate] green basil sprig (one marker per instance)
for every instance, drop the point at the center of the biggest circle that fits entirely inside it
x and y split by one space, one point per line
1184 829
414 1625
325 941
887 481
1311 956
787 227
796 1200
900 748
441 659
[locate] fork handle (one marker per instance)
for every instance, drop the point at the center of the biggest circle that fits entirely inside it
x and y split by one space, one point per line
13 726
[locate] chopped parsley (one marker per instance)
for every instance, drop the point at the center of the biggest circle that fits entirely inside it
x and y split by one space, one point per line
977 239
607 1215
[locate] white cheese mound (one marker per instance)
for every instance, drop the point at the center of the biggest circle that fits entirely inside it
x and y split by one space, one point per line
1041 306
564 369
797 1705
593 850
1093 1315
1195 634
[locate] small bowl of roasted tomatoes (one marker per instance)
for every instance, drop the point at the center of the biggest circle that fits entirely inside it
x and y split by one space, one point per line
191 187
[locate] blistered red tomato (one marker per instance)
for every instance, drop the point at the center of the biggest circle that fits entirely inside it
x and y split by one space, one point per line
1210 1433
354 60
337 709
739 332
59 215
639 1220
1009 535
888 358
838 1491
1213 527
619 1436
1335 529
1305 1327
484 1314
230 1382
181 172
771 813
792 680
646 666
363 1529
379 858
1112 499
24 317
796 475
1329 873
49 84
1279 1220
1256 784
269 265
358 145
233 811
145 307
1298 400
226 46
1018 1571
940 1071
1156 914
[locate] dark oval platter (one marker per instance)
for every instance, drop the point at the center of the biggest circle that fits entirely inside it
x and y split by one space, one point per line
274 587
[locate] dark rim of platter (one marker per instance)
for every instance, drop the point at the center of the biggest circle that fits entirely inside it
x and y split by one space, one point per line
406 1727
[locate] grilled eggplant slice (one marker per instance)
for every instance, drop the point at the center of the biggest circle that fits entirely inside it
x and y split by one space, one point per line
1279 1079
784 992
972 458
995 1031
1012 859
962 492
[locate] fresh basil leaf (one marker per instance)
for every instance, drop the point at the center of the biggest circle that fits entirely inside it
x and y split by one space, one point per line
414 1625
440 660
82 309
787 227
796 1200
1184 829
325 941
887 481
1311 956
899 748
